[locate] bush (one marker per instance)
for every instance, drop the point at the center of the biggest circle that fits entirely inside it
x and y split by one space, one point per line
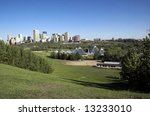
16 56
65 56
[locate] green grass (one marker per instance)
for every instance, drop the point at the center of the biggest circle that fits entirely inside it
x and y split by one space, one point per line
65 82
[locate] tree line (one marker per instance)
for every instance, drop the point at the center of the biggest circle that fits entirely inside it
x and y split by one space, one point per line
84 45
17 56
66 56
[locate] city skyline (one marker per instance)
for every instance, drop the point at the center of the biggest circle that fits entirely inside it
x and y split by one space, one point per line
38 36
89 18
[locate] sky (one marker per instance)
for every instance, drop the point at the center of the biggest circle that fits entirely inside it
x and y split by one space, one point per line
90 19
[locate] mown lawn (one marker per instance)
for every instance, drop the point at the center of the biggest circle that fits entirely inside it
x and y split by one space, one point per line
65 82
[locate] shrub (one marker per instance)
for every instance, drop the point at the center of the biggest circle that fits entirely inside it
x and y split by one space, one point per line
16 56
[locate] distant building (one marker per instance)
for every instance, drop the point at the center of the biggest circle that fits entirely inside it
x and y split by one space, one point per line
48 39
21 37
62 38
44 35
76 38
55 37
109 65
93 50
29 39
79 51
66 37
12 41
36 35
83 40
102 51
58 35
97 39
25 39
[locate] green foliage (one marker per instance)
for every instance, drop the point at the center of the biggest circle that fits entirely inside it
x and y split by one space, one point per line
66 56
124 44
96 56
90 57
130 66
13 55
136 67
114 54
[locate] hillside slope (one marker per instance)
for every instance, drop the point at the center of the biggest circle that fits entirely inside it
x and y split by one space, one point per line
65 82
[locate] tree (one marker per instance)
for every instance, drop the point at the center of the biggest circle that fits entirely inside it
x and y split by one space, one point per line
136 67
145 64
130 67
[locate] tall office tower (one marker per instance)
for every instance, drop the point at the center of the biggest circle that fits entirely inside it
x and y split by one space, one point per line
44 35
36 35
66 37
29 39
55 37
61 38
21 37
40 36
25 39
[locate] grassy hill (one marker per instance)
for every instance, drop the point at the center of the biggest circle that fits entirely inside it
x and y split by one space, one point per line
65 82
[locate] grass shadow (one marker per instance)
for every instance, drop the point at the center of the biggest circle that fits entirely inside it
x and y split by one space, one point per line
48 56
111 86
116 85
114 78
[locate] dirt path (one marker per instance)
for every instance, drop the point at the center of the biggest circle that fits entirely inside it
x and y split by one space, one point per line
82 63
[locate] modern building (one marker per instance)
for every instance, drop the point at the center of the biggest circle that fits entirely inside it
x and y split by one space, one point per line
93 50
29 39
101 51
62 38
44 35
21 37
54 37
66 37
76 38
79 51
25 39
97 39
36 35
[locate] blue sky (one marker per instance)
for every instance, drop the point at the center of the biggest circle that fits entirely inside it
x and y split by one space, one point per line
89 18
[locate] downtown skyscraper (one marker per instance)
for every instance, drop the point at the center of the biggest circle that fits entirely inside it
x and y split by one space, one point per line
36 35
